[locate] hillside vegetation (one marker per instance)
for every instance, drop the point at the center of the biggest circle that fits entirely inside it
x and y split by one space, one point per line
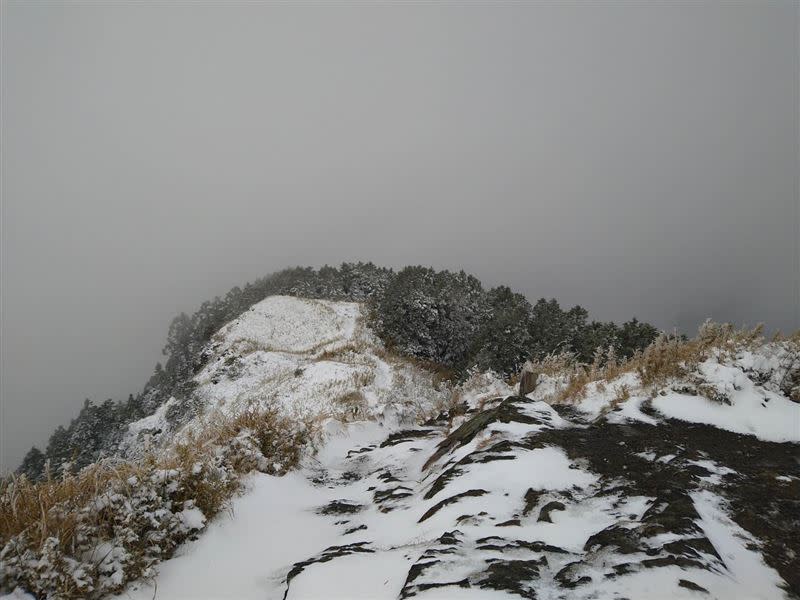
447 319
340 451
356 442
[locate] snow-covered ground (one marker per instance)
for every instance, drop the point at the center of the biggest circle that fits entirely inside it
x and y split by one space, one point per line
512 499
740 403
498 516
749 408
643 494
311 360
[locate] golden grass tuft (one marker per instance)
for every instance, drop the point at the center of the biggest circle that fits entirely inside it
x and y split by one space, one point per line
353 404
668 358
57 517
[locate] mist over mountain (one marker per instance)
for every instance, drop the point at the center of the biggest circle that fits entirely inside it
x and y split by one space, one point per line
445 319
424 437
409 300
634 161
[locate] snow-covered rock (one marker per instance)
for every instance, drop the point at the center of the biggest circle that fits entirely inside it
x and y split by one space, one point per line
413 487
629 492
308 359
516 501
740 405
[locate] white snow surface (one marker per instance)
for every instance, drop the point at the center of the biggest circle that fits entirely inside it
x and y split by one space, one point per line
742 404
752 409
302 357
248 553
305 358
17 594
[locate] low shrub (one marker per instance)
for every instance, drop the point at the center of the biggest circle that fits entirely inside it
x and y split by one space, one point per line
671 358
86 534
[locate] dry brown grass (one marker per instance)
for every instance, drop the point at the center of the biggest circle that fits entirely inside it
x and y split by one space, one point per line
353 405
345 353
442 375
27 506
575 388
276 437
668 358
56 517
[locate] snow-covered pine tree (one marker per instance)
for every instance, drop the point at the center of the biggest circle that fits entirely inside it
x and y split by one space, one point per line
33 464
504 341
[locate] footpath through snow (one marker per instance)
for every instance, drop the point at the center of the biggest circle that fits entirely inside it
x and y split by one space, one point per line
672 496
521 502
420 489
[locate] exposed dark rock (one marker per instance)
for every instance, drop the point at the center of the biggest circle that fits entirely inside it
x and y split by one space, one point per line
360 451
340 507
669 561
439 505
691 585
501 544
464 583
531 499
407 435
544 514
354 529
648 497
350 476
326 555
505 412
443 479
387 477
692 547
515 576
444 545
449 538
569 576
758 502
394 493
625 541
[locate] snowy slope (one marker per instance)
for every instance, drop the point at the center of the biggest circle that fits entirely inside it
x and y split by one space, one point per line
312 360
501 516
663 495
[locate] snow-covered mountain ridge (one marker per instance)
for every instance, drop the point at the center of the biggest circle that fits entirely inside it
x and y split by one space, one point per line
410 486
310 360
506 499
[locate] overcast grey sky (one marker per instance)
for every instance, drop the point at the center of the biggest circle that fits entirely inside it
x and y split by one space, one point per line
636 158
